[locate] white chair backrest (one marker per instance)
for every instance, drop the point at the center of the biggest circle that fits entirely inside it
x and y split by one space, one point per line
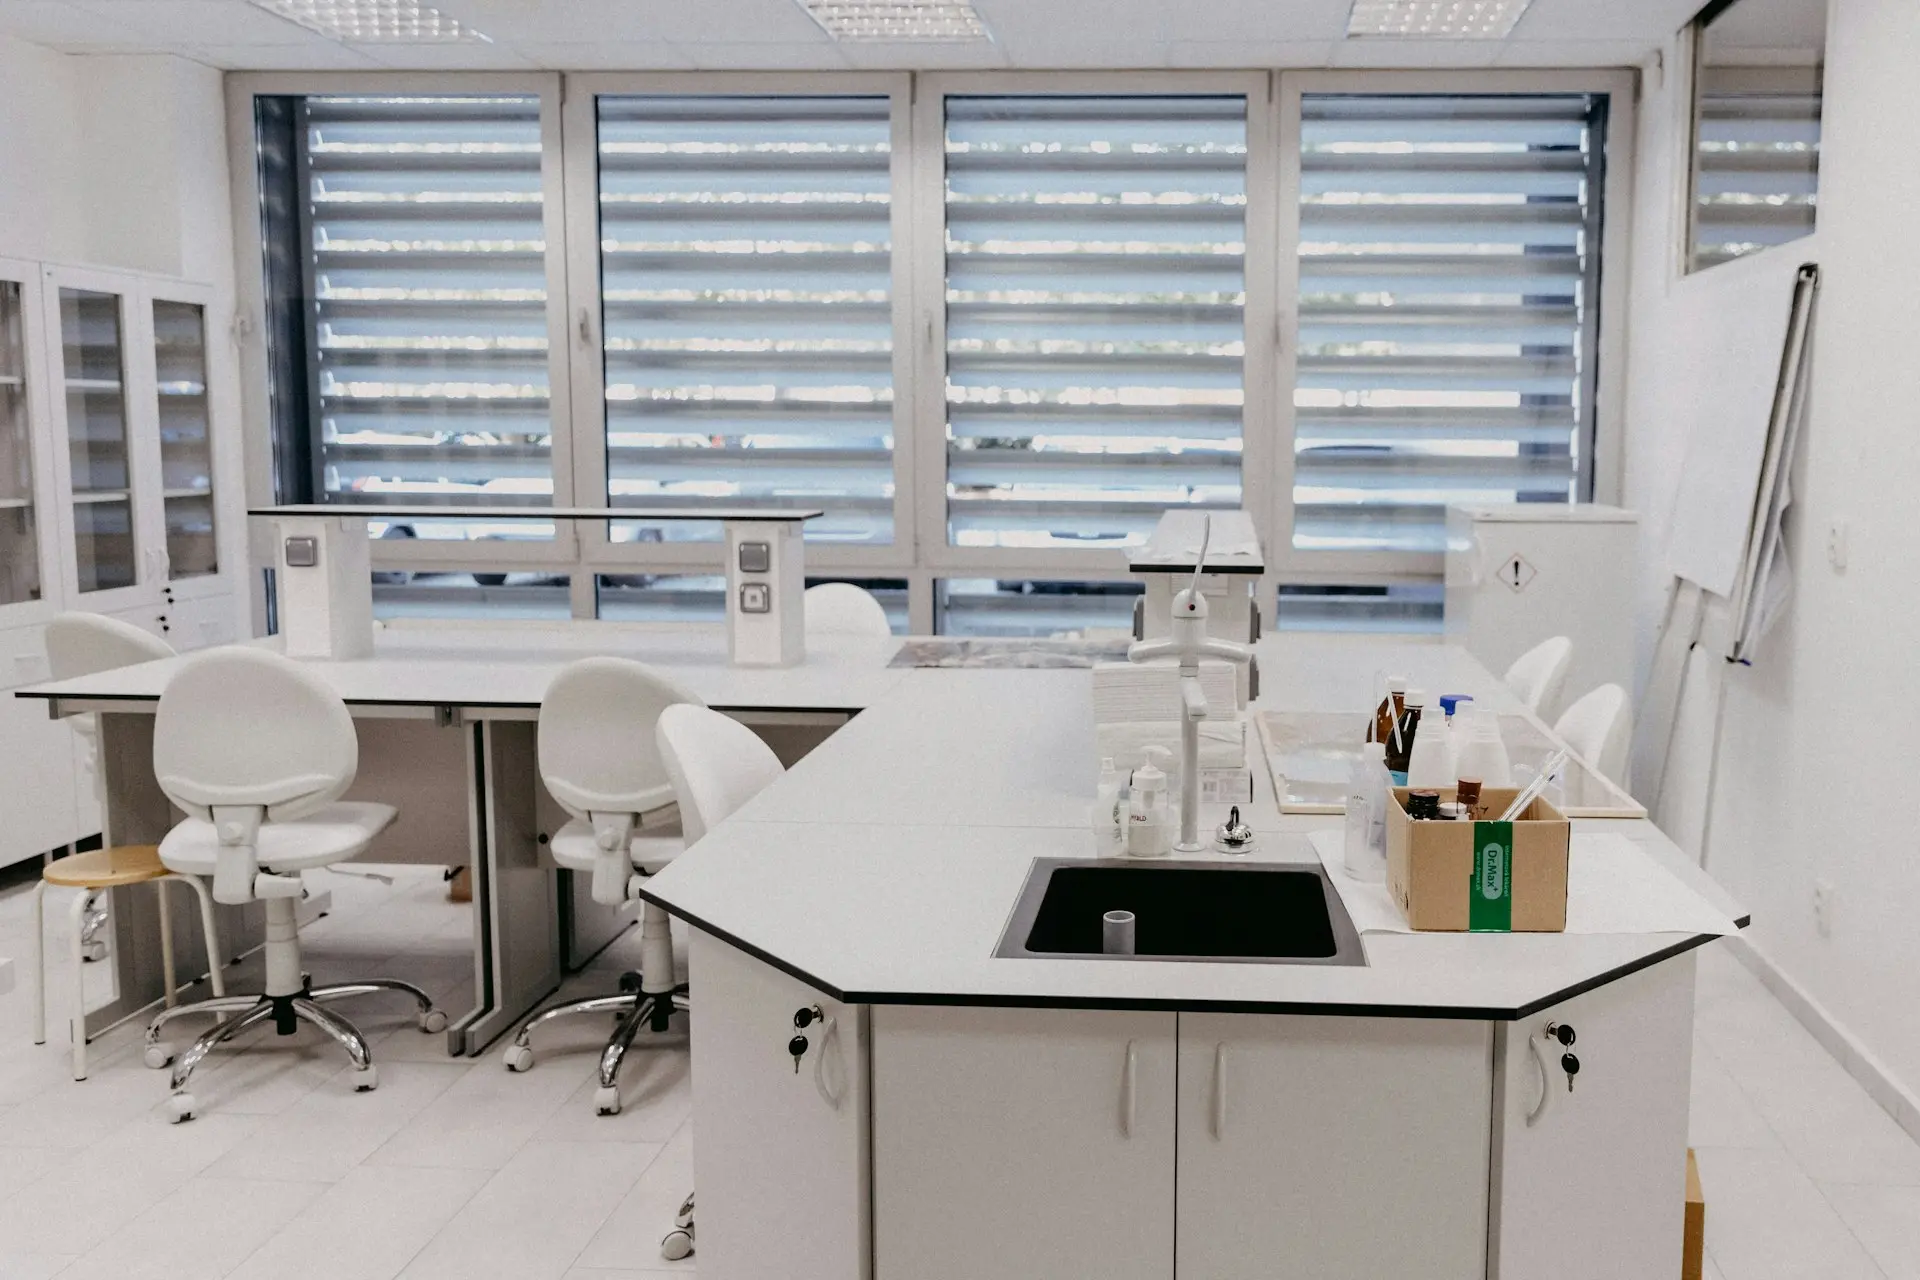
1536 675
250 728
1592 727
79 644
840 608
597 750
717 765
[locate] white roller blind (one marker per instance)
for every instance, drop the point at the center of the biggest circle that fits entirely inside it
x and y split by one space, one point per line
1756 159
746 259
1449 265
1095 331
430 299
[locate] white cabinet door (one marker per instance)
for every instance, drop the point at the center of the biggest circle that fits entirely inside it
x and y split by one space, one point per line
1333 1148
780 1156
1593 1188
1028 1142
37 784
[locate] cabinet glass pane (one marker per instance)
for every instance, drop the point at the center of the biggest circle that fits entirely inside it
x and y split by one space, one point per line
186 447
103 543
19 548
90 344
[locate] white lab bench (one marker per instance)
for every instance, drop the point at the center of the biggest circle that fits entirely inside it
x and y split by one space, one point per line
1115 1119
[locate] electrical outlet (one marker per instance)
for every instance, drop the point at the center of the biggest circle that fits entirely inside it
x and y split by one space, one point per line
1823 907
1837 545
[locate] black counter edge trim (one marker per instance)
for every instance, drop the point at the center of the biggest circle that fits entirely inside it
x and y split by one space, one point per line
1458 1013
439 702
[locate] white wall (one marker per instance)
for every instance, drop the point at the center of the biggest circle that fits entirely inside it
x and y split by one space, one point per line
114 160
1817 775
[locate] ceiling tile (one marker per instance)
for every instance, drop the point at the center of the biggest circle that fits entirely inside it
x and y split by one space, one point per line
1437 54
447 57
314 55
621 55
741 56
1070 21
59 25
924 57
175 23
1243 53
1576 53
1120 54
1611 20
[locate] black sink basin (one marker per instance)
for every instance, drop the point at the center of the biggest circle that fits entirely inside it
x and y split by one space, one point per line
1258 912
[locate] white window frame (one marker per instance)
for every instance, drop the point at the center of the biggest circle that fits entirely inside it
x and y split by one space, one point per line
920 553
1289 564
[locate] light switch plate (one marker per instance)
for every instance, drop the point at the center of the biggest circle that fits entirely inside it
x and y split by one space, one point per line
303 553
755 597
756 557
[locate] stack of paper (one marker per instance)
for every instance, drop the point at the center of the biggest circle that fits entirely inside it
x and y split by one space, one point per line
1136 692
1223 743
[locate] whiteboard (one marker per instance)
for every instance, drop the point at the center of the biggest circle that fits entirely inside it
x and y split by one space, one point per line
1729 328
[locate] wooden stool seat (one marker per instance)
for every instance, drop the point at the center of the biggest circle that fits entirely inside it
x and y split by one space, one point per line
106 868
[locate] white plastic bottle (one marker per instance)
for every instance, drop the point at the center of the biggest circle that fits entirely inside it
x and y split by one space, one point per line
1483 754
1431 762
1149 822
1109 815
1366 831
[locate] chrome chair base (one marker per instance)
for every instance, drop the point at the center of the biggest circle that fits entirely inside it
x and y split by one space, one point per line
286 1013
634 1010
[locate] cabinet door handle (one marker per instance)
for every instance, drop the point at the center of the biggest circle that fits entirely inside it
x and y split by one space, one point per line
1126 1092
1219 1117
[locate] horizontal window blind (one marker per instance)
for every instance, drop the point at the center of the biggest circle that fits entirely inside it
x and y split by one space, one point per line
1449 262
746 280
1095 275
429 301
1756 159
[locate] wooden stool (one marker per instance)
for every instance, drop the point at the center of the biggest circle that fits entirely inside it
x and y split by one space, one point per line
109 869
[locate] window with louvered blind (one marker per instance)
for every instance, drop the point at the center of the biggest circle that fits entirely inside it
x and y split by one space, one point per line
1756 126
746 286
428 361
1095 290
1449 262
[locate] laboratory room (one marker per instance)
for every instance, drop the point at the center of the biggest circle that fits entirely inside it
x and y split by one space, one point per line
958 639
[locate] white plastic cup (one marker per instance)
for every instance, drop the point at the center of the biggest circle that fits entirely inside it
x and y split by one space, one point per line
1116 933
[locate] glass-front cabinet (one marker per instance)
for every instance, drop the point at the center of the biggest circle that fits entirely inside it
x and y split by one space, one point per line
22 517
93 378
186 437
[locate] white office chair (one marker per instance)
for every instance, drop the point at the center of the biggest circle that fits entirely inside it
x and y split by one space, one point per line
1593 725
717 765
1536 675
258 751
81 644
840 608
599 760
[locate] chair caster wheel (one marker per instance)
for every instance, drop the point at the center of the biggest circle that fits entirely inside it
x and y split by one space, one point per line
629 983
518 1057
606 1101
94 952
433 1021
158 1056
677 1244
366 1081
181 1105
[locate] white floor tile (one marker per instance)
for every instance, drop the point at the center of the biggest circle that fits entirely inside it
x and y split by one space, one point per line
656 1097
153 1247
32 1266
1710 1270
327 1134
1767 1221
631 1235
1722 1115
367 1226
603 1273
533 1218
482 1119
1884 1219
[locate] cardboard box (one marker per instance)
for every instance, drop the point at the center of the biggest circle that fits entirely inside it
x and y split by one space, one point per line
1693 1248
1457 876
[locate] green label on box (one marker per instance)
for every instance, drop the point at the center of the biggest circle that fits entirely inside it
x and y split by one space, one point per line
1490 894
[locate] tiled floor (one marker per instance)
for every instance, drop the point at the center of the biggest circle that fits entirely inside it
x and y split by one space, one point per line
456 1169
